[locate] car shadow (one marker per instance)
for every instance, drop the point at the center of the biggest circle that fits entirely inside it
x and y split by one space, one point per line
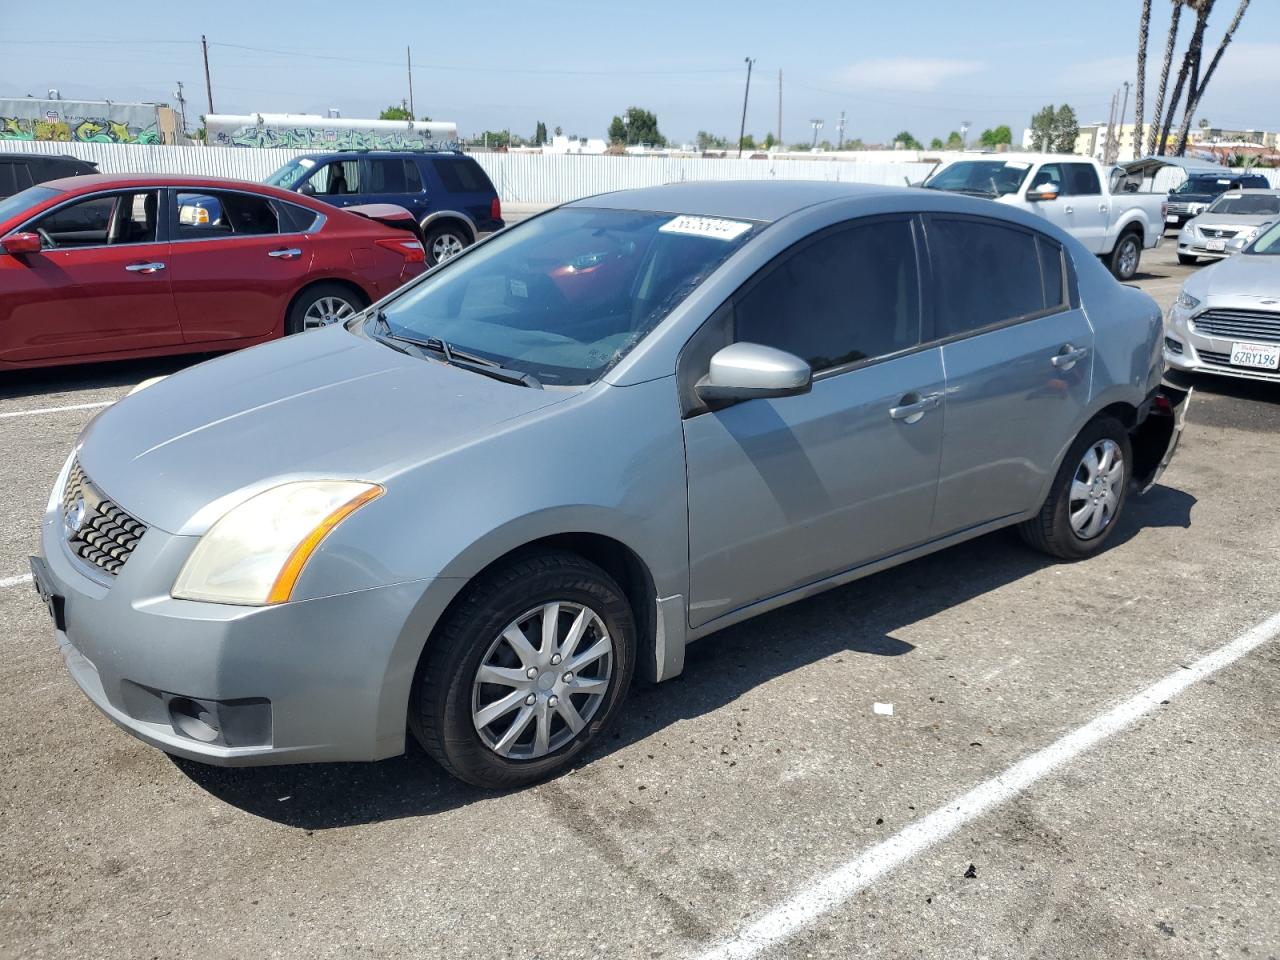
859 620
92 376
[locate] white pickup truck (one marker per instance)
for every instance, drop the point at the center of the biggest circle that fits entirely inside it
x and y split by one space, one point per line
1101 208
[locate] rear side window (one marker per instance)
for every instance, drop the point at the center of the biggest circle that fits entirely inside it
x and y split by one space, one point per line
1082 179
386 176
1051 272
986 273
846 296
212 214
462 176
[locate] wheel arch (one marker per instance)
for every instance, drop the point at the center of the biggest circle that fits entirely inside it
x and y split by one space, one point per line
314 282
445 217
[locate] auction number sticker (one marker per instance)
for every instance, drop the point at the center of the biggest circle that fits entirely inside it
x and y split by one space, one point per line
714 227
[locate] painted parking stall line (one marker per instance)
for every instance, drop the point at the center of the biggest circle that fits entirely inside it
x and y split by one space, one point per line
15 581
43 410
834 889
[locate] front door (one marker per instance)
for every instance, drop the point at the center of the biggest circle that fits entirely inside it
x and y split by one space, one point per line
1018 353
101 285
234 272
785 492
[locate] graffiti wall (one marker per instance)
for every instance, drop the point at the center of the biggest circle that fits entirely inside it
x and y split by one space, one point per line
26 118
307 132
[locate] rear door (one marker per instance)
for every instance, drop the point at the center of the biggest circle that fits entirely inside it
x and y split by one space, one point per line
101 284
788 491
235 269
1018 352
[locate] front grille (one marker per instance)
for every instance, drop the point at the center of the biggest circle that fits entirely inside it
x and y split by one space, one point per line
1213 233
98 531
1240 324
1208 356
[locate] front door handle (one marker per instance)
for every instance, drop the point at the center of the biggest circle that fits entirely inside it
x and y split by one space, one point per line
289 254
1071 209
145 267
1066 358
912 407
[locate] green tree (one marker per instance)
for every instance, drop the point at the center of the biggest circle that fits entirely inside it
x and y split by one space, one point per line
1043 125
935 143
994 138
908 141
748 141
955 141
540 134
495 138
559 131
395 113
636 126
770 141
709 141
1066 128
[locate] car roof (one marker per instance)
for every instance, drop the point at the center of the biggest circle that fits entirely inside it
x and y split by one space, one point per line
87 183
354 154
761 200
1257 192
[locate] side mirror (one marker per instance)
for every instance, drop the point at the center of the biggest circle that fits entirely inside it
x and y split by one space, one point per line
1046 191
21 243
307 190
746 371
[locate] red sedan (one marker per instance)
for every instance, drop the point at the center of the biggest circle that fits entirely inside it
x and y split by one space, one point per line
115 267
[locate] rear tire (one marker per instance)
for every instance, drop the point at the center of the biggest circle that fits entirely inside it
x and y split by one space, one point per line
444 242
1126 256
451 700
321 305
1081 496
1187 261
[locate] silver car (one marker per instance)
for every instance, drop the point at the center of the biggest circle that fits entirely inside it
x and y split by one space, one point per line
479 509
1234 220
1226 319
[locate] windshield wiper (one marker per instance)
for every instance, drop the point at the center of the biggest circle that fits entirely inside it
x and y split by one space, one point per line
457 358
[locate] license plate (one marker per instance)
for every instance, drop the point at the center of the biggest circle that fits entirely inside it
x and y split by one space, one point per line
1171 218
1215 245
1264 356
55 604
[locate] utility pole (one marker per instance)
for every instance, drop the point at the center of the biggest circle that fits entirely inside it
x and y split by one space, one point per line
840 129
1120 133
742 130
1111 122
817 125
964 134
208 84
182 107
408 56
780 140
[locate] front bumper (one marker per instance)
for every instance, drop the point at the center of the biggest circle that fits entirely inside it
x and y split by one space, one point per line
1197 248
315 680
1189 351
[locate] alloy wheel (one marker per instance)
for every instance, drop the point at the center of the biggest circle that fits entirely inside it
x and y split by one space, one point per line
1095 489
325 311
1129 258
444 246
542 680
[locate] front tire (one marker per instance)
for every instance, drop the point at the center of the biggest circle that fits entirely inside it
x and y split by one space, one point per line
1126 256
1087 496
526 669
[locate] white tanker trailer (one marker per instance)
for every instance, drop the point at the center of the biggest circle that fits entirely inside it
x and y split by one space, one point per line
302 131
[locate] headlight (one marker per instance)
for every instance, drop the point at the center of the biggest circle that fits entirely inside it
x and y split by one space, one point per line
1187 301
254 554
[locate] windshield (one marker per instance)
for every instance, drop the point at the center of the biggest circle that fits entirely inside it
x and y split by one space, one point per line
287 177
567 295
20 202
1247 204
1210 185
1268 244
990 178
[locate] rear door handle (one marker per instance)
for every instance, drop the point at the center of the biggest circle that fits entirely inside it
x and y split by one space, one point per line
145 267
285 254
1066 358
912 407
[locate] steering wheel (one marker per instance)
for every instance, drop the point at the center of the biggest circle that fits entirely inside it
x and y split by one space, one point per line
45 239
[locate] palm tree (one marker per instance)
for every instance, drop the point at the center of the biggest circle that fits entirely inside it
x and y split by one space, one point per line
1197 91
1164 73
1190 65
1144 25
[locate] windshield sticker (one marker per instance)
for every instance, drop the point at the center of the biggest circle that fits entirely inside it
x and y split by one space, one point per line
520 289
1017 164
713 227
1232 196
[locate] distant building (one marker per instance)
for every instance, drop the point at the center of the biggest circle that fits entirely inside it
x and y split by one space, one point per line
88 121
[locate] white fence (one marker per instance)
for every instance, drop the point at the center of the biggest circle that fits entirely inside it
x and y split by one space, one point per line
520 177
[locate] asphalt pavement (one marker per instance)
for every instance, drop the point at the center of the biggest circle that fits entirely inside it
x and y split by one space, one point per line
926 763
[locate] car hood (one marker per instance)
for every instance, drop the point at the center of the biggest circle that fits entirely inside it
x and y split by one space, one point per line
1210 219
328 403
1245 279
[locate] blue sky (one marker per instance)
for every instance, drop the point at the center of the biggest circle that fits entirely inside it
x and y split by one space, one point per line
924 66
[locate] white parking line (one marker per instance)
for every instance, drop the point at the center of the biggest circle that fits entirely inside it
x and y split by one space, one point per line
73 406
15 581
829 892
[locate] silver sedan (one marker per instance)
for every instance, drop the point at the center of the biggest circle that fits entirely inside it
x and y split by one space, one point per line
1234 220
480 508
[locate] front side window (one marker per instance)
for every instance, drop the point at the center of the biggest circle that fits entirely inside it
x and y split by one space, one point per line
841 298
204 214
983 178
986 274
116 219
1050 175
337 178
567 295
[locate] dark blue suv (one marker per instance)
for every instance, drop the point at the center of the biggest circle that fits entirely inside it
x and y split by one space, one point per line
449 193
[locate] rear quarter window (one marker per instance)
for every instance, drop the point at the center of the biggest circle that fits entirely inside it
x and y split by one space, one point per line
462 176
